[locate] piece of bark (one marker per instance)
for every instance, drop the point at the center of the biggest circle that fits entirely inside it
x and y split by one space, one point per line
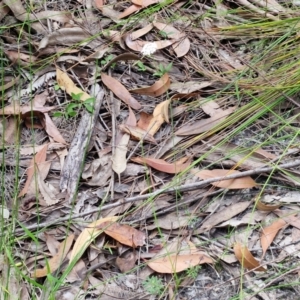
73 165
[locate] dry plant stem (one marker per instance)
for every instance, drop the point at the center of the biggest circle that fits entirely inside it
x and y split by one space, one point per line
183 188
113 136
71 171
274 280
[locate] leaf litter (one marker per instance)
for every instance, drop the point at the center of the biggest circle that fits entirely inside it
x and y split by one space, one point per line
168 121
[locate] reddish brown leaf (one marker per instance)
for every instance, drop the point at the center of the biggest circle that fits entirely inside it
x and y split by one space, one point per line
144 120
120 91
157 89
238 183
125 234
128 11
162 165
55 262
246 258
269 233
138 33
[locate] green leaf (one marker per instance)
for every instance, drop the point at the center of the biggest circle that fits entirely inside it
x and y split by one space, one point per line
76 97
58 114
89 107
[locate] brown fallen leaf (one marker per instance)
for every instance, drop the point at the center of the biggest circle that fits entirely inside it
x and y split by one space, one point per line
129 11
238 183
160 115
67 84
177 257
52 130
144 120
265 207
126 263
39 158
138 133
145 3
48 191
138 33
87 236
222 216
205 124
269 233
120 91
181 47
125 234
157 89
55 262
246 258
122 57
162 165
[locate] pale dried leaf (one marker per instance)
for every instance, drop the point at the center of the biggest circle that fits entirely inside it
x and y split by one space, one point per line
119 159
87 236
55 262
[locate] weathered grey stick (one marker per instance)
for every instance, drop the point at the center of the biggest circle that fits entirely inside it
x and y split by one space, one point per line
73 165
182 188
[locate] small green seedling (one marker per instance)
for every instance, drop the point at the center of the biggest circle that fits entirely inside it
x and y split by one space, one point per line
141 66
73 107
106 60
161 70
153 285
193 272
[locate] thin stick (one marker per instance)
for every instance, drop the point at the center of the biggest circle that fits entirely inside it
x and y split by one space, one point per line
183 188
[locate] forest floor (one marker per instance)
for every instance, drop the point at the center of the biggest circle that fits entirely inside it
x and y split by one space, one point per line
150 150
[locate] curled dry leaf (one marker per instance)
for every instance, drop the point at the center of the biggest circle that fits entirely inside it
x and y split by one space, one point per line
162 165
181 47
120 91
138 133
66 83
246 258
269 233
157 89
265 207
138 33
55 262
87 236
238 183
122 57
138 45
160 115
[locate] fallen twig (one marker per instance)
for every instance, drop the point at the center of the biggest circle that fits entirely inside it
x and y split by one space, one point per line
183 188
